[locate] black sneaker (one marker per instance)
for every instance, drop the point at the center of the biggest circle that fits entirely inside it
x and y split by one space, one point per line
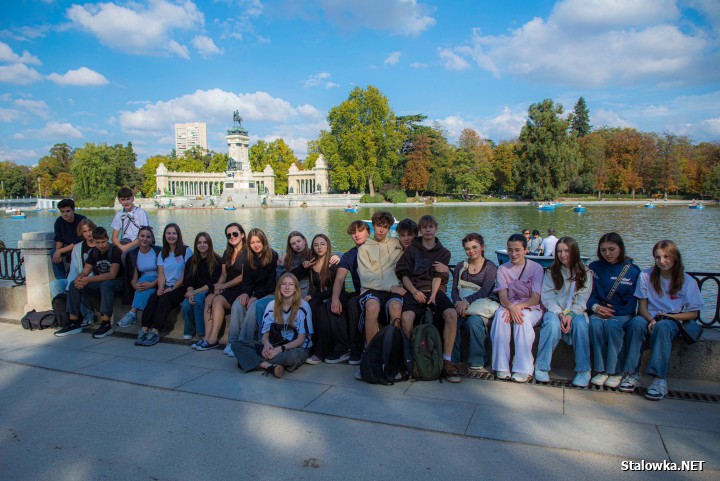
104 330
68 330
355 357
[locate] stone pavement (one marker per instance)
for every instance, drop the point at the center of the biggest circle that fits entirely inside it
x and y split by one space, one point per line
81 408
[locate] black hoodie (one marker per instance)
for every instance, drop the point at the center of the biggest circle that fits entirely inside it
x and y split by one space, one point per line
416 263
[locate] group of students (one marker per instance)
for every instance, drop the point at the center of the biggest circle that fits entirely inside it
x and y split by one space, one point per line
291 309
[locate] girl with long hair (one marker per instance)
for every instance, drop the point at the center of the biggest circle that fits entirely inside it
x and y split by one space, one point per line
321 275
518 285
143 280
667 298
201 274
285 333
296 252
473 279
566 288
170 287
612 304
226 289
259 281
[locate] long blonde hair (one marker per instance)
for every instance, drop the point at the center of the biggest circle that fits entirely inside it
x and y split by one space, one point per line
295 301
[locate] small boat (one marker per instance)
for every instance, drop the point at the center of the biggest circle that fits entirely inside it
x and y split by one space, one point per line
579 209
650 205
230 207
351 210
696 206
545 261
52 210
550 206
18 216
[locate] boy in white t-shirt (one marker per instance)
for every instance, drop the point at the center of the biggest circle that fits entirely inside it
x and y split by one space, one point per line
126 223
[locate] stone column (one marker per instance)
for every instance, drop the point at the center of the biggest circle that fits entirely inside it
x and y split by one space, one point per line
38 269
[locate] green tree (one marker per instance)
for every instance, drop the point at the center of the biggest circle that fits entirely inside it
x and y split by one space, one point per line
548 152
49 168
472 170
363 144
278 155
581 119
149 187
94 172
14 179
443 155
504 163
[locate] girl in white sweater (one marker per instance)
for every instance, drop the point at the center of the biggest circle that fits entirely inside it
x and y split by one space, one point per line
566 288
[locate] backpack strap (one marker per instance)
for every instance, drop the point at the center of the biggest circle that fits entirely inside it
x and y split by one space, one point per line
387 342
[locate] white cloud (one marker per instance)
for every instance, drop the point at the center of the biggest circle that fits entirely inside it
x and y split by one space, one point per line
36 107
608 118
594 43
452 61
418 65
18 73
320 80
400 17
24 34
136 29
214 105
7 55
393 58
19 156
8 115
205 46
53 131
81 77
309 111
712 127
454 125
503 126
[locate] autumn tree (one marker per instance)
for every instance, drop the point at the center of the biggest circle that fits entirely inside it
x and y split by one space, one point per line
417 167
472 169
547 152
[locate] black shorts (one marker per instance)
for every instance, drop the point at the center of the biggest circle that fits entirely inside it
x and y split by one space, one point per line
442 303
231 293
384 298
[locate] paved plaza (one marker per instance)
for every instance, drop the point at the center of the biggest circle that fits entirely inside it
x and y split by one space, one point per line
77 408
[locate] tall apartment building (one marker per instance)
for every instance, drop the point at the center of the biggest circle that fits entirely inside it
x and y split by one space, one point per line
187 136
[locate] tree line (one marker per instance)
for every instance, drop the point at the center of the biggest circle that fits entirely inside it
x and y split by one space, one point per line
370 149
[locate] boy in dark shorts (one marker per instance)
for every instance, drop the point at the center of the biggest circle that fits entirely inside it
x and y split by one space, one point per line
424 273
104 262
344 307
407 231
382 294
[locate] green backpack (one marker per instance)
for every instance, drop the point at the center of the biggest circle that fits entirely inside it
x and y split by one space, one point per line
426 347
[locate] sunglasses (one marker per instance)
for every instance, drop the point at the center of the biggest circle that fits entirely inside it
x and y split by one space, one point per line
232 234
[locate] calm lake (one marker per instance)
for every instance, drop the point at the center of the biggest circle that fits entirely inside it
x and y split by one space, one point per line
697 232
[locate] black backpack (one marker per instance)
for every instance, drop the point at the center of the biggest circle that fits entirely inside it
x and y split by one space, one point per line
387 358
34 320
59 305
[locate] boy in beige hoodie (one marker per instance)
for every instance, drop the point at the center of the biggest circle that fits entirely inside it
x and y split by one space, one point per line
382 292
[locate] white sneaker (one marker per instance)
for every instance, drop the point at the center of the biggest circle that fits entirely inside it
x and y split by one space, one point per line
630 383
312 360
520 377
504 375
127 320
613 381
599 379
228 350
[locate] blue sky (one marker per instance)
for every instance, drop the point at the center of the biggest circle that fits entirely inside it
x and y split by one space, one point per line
122 71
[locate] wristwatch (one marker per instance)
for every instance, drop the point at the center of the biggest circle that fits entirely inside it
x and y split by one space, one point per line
283 348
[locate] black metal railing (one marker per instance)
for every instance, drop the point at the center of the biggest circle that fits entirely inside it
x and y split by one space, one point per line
701 278
11 266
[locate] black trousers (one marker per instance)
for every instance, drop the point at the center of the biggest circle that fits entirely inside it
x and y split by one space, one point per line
158 308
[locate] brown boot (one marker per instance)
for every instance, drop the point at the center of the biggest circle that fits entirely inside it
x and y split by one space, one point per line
450 371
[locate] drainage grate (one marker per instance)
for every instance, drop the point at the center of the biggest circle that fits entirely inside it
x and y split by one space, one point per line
562 383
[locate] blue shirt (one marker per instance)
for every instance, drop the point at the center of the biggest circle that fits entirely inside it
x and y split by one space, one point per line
349 261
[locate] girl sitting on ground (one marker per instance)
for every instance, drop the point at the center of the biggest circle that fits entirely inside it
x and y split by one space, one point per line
201 274
170 288
473 279
226 289
667 298
259 281
285 333
143 260
321 275
612 304
566 288
518 285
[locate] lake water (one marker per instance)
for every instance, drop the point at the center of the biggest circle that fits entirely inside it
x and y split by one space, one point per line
697 232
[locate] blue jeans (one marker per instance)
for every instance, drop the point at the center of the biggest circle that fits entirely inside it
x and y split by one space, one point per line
606 338
635 333
661 341
578 338
477 332
140 298
106 290
194 315
59 286
60 268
